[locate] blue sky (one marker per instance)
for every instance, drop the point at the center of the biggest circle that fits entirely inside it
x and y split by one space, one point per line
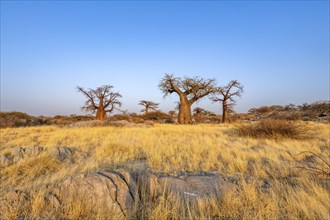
279 50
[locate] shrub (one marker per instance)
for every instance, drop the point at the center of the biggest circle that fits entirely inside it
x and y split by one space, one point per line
120 117
260 110
234 117
286 115
156 116
272 129
138 120
15 119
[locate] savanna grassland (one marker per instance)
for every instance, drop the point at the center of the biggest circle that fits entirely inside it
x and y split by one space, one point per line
294 192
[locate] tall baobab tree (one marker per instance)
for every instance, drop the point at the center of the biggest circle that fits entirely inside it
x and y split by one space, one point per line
226 96
100 100
148 105
189 89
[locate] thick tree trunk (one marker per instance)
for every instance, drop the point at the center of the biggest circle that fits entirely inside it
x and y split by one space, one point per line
101 113
184 111
147 110
224 111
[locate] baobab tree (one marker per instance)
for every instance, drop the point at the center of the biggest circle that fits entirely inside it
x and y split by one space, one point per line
189 89
148 105
100 100
226 96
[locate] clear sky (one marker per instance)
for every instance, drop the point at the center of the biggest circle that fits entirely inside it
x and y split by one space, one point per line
279 50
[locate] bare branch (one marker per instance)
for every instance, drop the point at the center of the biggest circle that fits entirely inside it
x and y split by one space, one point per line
316 155
189 89
170 84
148 105
229 92
226 95
194 88
90 103
100 100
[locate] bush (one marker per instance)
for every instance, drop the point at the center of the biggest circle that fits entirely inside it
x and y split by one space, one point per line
272 129
120 117
15 119
234 117
156 116
286 115
138 120
260 110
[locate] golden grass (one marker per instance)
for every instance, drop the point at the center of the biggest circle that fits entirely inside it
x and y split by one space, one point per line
173 149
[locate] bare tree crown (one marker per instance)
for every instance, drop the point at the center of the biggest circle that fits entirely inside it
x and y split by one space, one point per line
101 97
194 88
189 89
148 105
226 95
228 92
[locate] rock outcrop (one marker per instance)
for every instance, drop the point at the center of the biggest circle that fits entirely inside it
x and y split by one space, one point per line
120 192
198 186
117 190
113 190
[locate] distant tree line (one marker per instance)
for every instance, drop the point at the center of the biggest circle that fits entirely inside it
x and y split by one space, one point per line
103 100
317 111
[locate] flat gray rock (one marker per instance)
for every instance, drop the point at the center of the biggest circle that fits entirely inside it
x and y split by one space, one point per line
108 189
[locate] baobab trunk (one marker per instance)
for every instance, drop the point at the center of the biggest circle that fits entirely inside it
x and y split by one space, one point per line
184 111
224 111
101 113
147 111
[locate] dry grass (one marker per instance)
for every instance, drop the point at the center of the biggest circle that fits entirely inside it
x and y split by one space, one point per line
294 193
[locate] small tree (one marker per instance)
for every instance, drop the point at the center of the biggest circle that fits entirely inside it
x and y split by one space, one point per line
189 89
226 96
148 105
100 100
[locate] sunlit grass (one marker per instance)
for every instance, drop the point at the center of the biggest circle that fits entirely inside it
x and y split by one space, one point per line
181 148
